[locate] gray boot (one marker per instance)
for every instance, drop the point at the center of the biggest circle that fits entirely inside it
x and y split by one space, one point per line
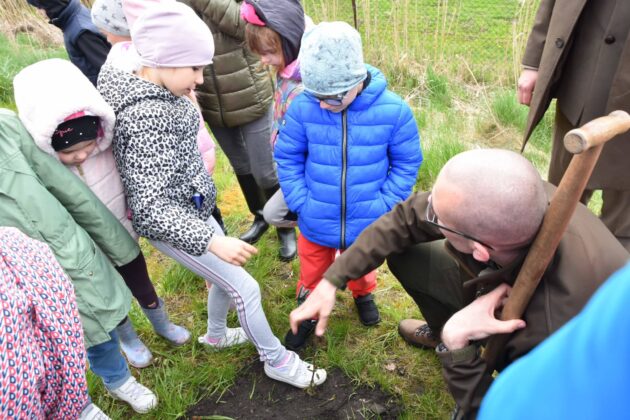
163 326
138 355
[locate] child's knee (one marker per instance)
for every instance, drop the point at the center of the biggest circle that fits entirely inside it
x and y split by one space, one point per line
251 292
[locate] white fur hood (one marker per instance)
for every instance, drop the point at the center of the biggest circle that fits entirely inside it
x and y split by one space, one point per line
48 92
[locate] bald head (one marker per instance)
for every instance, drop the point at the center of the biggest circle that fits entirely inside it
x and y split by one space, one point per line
494 195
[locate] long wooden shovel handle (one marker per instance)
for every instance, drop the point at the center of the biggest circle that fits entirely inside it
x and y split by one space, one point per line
597 132
563 203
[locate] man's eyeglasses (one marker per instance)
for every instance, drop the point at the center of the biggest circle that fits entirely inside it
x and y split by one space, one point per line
432 219
332 100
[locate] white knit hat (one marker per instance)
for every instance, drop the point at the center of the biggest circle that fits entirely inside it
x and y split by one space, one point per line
49 91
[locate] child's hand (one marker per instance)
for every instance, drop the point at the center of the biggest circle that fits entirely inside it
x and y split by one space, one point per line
231 250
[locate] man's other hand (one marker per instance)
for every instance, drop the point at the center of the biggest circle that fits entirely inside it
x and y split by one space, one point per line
478 320
526 85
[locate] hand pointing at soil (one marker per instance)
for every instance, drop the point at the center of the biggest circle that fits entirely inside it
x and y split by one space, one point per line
318 305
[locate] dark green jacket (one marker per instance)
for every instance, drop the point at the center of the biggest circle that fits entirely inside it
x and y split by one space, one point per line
236 88
47 202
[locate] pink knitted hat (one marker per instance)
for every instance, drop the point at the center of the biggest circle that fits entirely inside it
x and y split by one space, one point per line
170 34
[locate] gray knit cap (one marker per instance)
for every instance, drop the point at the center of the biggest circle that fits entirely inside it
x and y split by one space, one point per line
331 59
108 15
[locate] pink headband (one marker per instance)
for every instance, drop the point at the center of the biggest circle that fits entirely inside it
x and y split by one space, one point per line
248 14
80 114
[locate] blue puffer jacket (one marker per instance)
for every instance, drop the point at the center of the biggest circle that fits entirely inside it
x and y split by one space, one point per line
341 171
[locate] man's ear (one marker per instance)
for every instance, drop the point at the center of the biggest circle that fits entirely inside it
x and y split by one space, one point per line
480 252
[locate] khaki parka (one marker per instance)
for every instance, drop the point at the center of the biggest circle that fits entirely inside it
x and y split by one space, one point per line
587 255
47 202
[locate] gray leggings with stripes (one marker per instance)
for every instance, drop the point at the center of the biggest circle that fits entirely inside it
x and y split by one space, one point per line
231 283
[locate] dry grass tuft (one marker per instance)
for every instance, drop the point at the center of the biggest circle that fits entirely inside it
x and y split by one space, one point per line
18 17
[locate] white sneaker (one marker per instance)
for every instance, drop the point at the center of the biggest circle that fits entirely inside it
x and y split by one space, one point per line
92 412
138 396
232 337
296 372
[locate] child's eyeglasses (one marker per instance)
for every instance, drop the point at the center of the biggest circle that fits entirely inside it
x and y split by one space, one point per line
332 100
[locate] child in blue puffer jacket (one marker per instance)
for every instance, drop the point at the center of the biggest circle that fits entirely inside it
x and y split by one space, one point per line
348 152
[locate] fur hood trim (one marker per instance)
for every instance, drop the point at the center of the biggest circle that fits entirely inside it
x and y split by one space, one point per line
48 92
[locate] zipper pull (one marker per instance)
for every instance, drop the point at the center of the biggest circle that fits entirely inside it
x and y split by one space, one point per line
197 199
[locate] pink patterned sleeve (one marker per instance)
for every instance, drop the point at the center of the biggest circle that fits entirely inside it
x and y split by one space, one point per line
42 355
206 147
204 140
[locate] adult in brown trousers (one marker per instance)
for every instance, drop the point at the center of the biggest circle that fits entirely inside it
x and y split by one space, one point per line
579 52
468 237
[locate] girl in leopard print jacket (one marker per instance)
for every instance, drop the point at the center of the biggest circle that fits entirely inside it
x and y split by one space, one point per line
159 162
168 189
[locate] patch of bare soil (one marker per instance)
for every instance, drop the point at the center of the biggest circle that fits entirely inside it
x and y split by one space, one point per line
255 396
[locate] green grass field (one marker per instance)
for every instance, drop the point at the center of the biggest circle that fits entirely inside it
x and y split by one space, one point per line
461 100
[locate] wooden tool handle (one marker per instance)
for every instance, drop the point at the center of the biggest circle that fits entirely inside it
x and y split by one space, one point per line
597 132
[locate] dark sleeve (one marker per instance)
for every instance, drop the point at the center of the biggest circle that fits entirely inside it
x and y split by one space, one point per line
538 35
391 233
93 47
466 376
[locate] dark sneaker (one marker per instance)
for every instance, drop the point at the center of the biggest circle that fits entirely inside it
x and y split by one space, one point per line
298 341
368 312
418 333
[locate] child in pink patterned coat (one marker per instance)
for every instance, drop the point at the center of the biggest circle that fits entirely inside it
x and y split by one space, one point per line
42 355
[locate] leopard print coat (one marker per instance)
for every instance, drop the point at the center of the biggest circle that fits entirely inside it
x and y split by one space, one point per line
155 146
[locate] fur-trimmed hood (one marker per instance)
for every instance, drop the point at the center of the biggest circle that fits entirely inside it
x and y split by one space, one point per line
49 91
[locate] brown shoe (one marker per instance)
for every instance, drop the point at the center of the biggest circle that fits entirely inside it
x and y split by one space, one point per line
418 334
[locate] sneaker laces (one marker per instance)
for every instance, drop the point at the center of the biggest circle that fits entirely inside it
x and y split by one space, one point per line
425 331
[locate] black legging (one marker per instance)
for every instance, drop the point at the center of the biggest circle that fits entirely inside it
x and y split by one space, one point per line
137 280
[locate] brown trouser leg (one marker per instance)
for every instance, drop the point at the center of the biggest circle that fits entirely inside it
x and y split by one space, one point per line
616 214
616 203
432 278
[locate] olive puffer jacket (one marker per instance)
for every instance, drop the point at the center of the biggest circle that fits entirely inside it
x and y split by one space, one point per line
236 89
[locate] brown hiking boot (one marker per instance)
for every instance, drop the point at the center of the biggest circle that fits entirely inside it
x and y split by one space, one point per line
418 334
